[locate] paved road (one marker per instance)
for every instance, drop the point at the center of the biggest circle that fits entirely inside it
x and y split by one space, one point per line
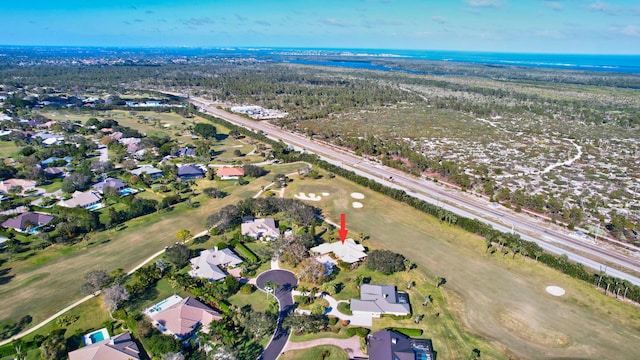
549 239
286 283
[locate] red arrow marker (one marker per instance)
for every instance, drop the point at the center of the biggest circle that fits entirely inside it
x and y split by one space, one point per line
343 230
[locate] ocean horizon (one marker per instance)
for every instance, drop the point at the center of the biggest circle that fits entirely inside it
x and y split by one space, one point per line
629 64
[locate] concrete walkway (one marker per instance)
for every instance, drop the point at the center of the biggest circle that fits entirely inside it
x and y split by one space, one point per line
350 345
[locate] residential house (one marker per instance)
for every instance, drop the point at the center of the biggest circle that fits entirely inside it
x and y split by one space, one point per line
28 221
185 151
392 345
9 185
54 160
210 263
53 172
349 251
147 169
84 200
181 317
190 172
230 173
119 347
115 183
376 300
129 141
264 229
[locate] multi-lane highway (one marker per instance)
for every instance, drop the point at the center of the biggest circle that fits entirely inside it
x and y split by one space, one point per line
589 254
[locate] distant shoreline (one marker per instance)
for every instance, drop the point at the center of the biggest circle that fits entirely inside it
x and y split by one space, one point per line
627 64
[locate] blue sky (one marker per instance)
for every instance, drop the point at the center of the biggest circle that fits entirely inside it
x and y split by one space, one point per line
558 26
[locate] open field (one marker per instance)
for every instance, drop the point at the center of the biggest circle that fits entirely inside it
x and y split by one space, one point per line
501 300
327 352
8 149
51 279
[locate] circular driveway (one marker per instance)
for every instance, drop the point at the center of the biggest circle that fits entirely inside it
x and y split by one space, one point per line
286 281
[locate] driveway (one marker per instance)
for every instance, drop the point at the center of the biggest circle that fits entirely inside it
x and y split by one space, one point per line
286 281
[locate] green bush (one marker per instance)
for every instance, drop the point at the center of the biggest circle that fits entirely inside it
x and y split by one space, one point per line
360 331
333 320
344 308
247 289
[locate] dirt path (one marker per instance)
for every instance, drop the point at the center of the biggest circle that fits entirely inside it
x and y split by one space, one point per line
350 345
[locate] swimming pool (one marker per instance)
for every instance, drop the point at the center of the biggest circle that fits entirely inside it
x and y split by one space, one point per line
125 192
95 337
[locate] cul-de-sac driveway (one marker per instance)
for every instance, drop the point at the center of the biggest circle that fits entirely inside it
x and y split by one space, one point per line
286 282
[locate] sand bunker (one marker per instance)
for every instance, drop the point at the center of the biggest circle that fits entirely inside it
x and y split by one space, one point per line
357 195
310 197
325 194
555 290
357 205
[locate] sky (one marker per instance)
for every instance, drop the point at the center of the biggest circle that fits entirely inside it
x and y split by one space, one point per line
525 26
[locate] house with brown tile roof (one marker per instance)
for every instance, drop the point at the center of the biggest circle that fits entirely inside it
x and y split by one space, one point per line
181 318
119 347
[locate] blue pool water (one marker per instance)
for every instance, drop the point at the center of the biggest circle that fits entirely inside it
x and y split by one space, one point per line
125 192
96 337
94 207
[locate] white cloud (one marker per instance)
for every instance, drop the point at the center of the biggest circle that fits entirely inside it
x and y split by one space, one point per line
333 22
557 6
603 7
439 19
629 30
482 3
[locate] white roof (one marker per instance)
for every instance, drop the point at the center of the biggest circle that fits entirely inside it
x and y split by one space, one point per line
349 252
207 264
81 199
260 227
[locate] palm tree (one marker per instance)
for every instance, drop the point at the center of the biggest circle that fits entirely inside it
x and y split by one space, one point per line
516 249
626 285
427 299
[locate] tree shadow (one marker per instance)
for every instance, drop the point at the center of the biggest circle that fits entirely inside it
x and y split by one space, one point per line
220 137
5 277
201 240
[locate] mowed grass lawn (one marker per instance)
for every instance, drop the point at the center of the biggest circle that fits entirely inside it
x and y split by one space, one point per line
500 300
326 352
8 149
49 281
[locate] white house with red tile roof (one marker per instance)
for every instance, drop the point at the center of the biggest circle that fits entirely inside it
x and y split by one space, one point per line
230 173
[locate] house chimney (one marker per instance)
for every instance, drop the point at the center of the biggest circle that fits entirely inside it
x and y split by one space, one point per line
394 341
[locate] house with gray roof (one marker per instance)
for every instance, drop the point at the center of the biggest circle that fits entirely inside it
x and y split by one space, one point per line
210 263
147 169
376 300
185 151
264 229
119 347
115 183
84 200
392 345
28 221
190 172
